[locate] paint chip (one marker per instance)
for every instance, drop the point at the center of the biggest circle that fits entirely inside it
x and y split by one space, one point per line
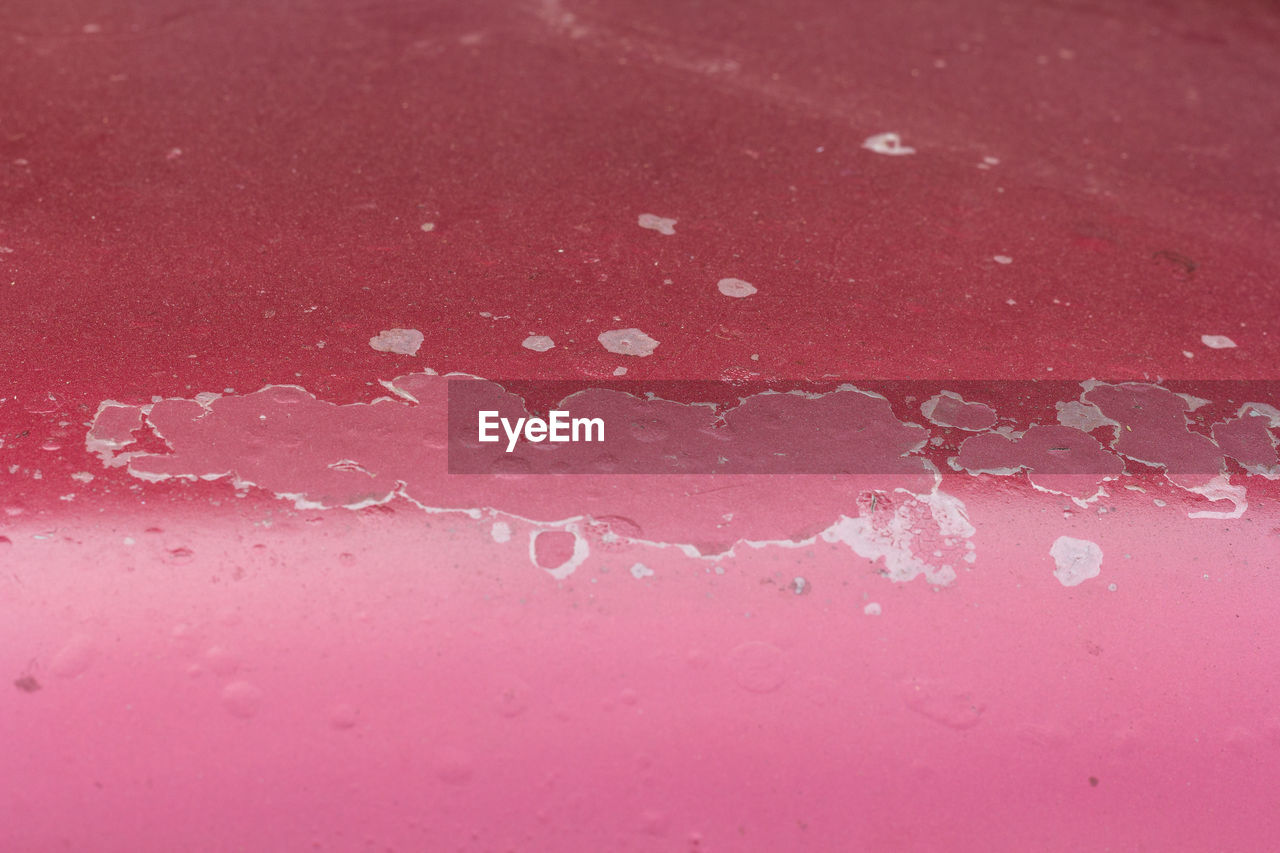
428 227
872 609
951 410
657 223
619 371
640 571
1002 259
628 342
1077 560
401 341
538 343
887 143
1217 342
736 287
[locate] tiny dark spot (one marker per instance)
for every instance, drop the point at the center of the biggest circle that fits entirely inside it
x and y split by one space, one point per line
1188 265
1093 781
27 684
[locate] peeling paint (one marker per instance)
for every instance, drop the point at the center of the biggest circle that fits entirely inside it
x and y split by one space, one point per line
538 343
660 224
736 288
1056 458
628 342
951 410
320 455
399 341
1077 560
887 143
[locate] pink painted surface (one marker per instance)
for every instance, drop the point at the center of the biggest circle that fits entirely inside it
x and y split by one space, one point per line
239 616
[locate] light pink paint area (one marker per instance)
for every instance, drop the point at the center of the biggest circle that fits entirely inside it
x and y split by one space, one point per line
384 679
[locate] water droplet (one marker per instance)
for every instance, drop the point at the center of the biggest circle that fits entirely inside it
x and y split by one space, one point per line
343 716
513 699
241 699
453 766
222 661
942 703
758 666
74 657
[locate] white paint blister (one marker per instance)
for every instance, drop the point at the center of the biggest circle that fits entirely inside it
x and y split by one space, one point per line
657 223
887 143
400 341
1077 560
538 343
736 288
628 342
